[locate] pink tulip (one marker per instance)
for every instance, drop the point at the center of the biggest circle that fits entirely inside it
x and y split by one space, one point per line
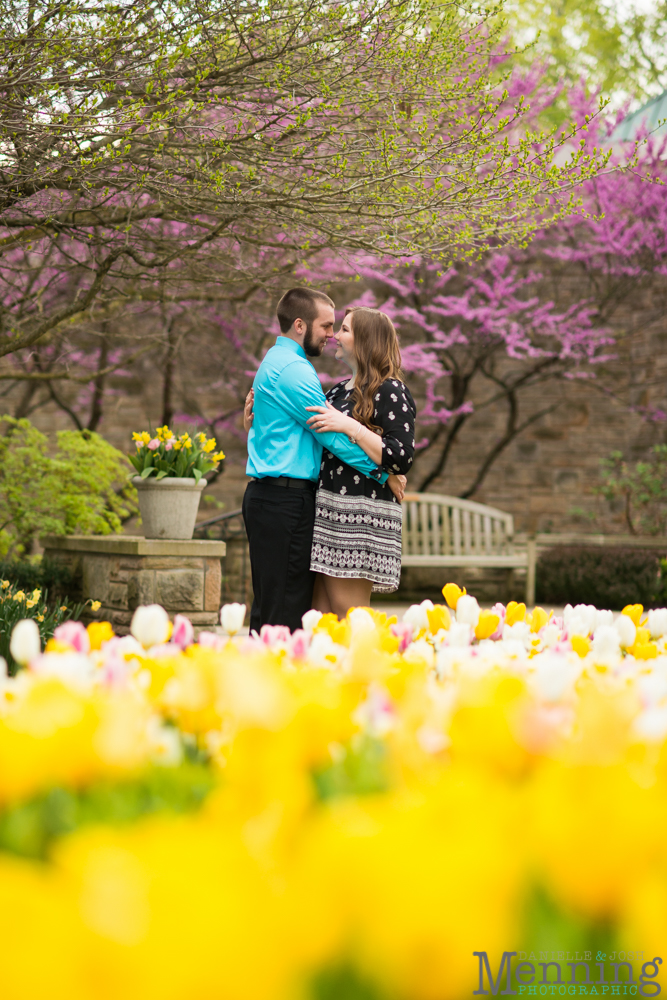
298 644
403 632
183 634
209 640
154 444
271 635
75 635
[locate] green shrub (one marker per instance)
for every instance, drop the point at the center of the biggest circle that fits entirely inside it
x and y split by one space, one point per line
604 577
37 573
80 485
643 490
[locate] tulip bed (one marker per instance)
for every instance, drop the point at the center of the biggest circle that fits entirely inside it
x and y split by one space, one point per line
345 813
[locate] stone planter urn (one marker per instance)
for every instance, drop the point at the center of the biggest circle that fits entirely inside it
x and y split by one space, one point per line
169 507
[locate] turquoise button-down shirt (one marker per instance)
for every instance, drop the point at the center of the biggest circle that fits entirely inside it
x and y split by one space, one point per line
280 443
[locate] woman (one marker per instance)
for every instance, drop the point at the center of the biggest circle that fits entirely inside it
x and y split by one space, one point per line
357 537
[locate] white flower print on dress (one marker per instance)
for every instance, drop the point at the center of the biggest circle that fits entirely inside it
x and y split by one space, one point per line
343 491
391 415
357 480
339 470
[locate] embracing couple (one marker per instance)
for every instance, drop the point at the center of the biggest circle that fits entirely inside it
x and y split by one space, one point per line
323 508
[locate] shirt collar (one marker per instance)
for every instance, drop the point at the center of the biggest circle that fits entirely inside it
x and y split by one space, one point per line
291 345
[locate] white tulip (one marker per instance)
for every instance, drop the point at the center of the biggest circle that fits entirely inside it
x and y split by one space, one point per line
416 615
652 688
360 621
550 635
310 619
586 619
459 633
150 625
651 724
607 640
604 618
232 617
420 650
626 630
467 610
25 643
519 632
657 622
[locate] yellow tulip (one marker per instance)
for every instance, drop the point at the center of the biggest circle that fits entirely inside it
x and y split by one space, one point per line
515 613
538 619
634 612
99 633
438 618
581 645
451 593
487 624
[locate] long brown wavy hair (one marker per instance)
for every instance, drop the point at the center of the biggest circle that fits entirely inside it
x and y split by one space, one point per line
378 358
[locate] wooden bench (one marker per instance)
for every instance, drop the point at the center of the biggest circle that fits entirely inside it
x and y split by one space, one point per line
446 531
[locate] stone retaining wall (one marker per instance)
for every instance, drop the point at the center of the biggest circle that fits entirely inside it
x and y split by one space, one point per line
124 571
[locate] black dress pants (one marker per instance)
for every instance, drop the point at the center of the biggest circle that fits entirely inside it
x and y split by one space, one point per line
279 522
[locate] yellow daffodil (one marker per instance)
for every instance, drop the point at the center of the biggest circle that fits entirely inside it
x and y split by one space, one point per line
487 624
19 596
515 613
63 607
163 433
40 618
178 445
186 441
30 604
210 445
141 438
200 438
451 593
36 594
218 457
95 605
5 584
634 612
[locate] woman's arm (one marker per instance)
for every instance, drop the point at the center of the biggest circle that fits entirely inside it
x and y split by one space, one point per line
331 419
396 413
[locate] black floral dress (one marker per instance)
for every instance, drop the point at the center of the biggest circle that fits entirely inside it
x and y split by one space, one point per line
358 521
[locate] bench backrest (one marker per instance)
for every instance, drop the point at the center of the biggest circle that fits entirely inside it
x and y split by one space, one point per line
438 525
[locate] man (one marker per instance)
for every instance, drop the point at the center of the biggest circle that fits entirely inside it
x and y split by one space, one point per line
284 457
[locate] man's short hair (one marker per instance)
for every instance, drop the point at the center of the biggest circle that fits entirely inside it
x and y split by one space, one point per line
300 303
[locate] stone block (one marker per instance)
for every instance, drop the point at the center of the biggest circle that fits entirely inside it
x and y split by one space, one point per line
212 585
141 589
96 578
173 562
117 595
179 589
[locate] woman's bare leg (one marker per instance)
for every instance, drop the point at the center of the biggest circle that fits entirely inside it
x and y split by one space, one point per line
320 597
345 594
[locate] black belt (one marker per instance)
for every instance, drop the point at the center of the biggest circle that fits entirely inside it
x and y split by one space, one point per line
295 484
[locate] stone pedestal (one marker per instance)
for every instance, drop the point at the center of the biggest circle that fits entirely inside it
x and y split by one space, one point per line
124 571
